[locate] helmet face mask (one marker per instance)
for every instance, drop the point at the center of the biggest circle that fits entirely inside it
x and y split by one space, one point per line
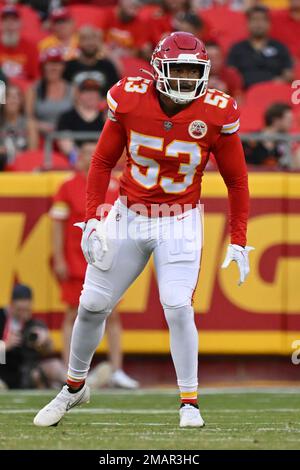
181 49
176 87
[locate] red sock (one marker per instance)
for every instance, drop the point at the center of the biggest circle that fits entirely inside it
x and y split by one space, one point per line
189 397
74 384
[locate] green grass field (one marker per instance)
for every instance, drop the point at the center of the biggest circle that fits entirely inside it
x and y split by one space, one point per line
148 419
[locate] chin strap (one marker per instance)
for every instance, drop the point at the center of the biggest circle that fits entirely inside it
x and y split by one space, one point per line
148 73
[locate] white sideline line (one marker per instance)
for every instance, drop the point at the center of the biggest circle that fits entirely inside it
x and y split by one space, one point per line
168 391
109 423
149 412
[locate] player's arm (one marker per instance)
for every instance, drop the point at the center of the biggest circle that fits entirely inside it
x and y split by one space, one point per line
59 213
108 151
58 239
229 155
230 158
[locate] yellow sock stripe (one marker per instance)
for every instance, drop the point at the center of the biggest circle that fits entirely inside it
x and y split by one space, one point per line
74 379
189 394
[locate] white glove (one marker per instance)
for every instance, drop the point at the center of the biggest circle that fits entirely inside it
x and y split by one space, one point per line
93 241
240 255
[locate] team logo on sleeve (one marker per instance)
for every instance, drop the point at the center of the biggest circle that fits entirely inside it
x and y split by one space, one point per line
197 129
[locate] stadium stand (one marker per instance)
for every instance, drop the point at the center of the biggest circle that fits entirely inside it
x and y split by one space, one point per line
33 160
128 46
257 99
219 18
87 15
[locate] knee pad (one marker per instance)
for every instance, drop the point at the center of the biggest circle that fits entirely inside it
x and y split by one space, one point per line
175 295
180 317
95 301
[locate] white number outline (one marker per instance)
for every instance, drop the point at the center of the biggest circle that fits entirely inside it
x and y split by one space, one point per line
132 87
167 184
221 101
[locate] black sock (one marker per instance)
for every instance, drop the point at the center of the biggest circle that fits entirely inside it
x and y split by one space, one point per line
75 390
195 405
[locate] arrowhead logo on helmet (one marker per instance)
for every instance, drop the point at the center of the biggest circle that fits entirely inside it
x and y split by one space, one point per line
176 49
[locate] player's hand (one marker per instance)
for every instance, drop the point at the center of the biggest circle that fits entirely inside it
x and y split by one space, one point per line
238 254
13 340
93 241
61 269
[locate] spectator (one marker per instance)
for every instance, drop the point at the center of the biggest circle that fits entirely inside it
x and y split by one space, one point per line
42 7
51 95
221 77
18 57
125 33
28 346
3 78
90 59
286 27
232 4
260 58
63 34
239 5
100 3
85 116
191 23
167 18
69 262
272 153
17 131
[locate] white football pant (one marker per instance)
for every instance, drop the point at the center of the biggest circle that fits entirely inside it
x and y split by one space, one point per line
175 243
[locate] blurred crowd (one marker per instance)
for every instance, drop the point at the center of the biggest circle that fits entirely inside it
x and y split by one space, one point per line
59 58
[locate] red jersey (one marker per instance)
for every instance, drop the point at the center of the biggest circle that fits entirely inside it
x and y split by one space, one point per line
69 206
161 23
21 61
131 34
166 156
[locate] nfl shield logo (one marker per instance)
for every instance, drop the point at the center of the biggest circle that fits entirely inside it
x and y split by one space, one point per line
197 129
168 125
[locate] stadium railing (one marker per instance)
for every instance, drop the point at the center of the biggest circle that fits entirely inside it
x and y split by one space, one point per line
289 139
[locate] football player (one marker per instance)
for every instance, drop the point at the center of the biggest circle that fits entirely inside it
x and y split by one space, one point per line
169 126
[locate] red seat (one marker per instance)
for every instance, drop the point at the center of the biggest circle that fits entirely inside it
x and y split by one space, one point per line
88 15
257 99
33 160
226 26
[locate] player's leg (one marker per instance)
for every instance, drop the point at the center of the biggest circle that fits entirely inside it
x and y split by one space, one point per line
101 292
119 378
70 293
177 262
67 326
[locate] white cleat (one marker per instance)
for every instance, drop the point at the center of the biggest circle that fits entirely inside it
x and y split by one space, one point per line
190 417
52 413
121 380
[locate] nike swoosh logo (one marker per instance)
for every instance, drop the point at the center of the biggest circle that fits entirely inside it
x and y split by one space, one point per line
69 406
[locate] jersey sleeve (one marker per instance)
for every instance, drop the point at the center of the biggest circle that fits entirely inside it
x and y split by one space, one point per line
232 118
229 155
60 209
124 96
108 151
